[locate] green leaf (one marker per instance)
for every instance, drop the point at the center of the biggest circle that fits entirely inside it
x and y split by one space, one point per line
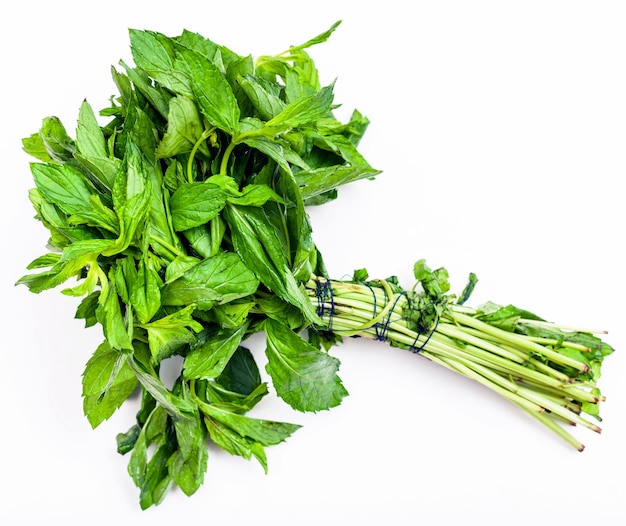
281 311
209 359
305 110
61 232
57 142
259 246
188 464
276 151
266 432
434 282
343 147
202 45
504 317
218 279
47 260
296 225
210 88
153 431
179 266
91 147
233 401
158 228
156 94
65 186
168 334
145 292
131 197
126 441
319 39
321 180
74 259
34 146
469 288
232 314
174 175
184 128
86 310
235 444
123 273
235 70
155 54
303 376
157 479
255 195
109 314
303 68
244 436
241 374
199 237
264 95
108 381
267 140
221 56
172 404
195 204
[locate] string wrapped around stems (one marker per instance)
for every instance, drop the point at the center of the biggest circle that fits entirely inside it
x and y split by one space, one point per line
380 322
324 294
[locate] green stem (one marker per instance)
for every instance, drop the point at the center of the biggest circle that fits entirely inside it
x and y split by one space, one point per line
205 135
523 369
522 342
168 246
226 157
234 142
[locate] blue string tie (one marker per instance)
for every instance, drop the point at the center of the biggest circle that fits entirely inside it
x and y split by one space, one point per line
325 297
324 294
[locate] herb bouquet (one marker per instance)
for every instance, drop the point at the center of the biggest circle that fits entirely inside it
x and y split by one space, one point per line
184 221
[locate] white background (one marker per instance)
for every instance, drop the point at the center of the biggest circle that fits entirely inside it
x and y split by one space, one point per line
500 128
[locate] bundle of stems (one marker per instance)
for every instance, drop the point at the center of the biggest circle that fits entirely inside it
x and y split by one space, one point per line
547 370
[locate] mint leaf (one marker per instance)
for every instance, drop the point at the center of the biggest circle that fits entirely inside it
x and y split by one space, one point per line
188 464
170 403
209 359
131 196
109 315
261 249
196 204
218 279
108 381
155 54
57 143
322 180
169 333
145 291
266 432
92 150
65 186
184 128
264 95
244 436
215 97
151 473
305 110
241 374
34 146
303 376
